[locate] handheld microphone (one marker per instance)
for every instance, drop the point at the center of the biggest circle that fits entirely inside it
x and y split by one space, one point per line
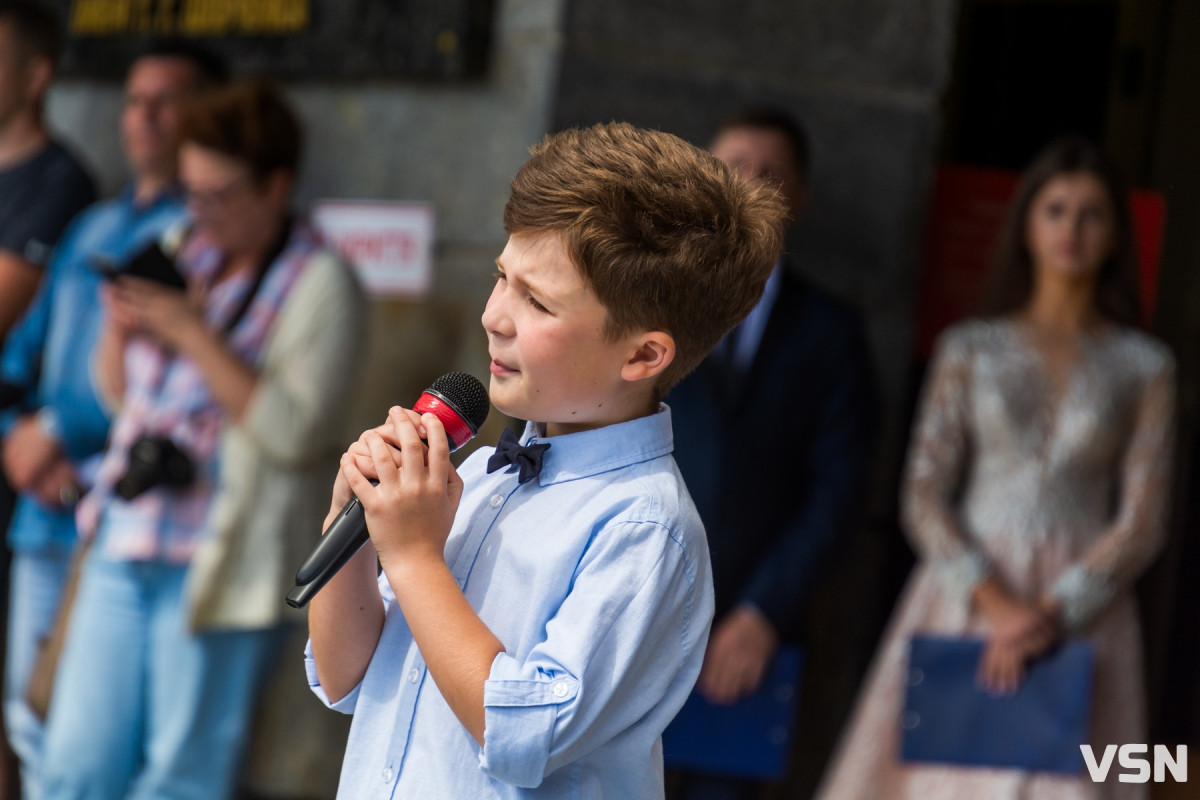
461 403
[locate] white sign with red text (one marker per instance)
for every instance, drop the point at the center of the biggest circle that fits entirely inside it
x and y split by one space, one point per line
389 243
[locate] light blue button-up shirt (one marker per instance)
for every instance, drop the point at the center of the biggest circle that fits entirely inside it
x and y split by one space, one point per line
50 350
596 578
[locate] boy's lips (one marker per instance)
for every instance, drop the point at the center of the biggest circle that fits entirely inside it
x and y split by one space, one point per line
498 367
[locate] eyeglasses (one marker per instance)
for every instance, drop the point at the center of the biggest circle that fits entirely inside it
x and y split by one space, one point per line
210 201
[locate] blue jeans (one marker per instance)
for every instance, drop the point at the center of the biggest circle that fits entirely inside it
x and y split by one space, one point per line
144 708
36 585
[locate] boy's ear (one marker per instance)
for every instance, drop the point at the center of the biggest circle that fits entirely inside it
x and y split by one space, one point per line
655 352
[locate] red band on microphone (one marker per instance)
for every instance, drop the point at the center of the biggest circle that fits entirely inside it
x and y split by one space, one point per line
457 429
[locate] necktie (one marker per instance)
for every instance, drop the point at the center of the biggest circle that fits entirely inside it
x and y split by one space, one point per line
525 458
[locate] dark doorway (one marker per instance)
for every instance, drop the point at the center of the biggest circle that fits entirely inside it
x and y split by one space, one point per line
1028 72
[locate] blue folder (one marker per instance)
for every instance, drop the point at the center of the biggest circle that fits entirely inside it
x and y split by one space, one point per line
949 719
750 738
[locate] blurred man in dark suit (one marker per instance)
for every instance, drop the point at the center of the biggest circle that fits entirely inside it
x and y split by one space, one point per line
773 434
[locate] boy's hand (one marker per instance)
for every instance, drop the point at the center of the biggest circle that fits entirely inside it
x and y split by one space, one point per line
360 453
412 509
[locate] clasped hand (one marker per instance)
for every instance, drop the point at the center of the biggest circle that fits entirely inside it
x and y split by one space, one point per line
1020 631
410 511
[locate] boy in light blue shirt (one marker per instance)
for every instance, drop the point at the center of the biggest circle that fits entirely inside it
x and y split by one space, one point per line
532 632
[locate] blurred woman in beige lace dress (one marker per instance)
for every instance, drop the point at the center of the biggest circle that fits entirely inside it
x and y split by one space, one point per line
1035 488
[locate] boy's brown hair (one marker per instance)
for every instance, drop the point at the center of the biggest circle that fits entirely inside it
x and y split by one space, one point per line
662 231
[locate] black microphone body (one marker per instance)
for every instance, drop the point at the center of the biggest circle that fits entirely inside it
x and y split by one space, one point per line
341 540
461 403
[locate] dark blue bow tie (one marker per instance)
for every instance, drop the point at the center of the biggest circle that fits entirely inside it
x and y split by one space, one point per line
514 455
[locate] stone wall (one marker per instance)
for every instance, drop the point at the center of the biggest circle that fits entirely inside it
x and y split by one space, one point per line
453 144
865 76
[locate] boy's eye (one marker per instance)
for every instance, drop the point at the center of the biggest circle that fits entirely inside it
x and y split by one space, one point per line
500 276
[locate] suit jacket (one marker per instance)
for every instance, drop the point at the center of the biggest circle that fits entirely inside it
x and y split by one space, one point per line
777 465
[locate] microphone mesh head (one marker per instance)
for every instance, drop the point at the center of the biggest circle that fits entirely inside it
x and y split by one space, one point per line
466 395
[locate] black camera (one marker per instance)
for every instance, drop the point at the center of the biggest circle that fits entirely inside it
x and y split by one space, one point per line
155 461
149 263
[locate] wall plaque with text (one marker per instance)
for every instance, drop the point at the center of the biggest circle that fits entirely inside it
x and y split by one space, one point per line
294 39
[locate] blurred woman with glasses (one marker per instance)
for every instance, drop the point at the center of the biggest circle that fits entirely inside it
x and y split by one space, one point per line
240 383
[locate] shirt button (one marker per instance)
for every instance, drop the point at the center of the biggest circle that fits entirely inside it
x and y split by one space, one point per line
496 501
560 689
387 775
413 674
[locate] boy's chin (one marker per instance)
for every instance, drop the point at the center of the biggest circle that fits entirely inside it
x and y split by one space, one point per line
504 404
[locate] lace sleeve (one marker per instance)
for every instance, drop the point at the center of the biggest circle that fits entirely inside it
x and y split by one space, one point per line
938 457
1137 532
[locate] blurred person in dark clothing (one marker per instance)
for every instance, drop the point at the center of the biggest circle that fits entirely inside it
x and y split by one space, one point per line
775 501
42 186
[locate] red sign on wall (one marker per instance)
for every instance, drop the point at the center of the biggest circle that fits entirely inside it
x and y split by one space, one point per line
389 243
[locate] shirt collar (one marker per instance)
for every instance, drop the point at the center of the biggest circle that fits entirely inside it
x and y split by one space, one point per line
580 455
171 194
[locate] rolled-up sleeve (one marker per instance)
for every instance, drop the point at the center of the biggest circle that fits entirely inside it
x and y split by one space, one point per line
521 713
346 704
622 650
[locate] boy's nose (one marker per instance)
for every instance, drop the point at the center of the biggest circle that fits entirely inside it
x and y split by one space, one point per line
494 318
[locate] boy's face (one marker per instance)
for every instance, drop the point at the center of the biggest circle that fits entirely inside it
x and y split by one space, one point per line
551 361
